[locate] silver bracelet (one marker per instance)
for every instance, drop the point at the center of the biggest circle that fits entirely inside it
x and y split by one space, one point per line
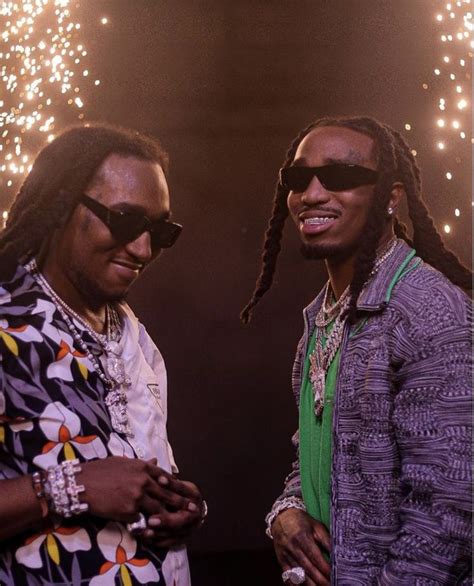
63 490
289 502
71 468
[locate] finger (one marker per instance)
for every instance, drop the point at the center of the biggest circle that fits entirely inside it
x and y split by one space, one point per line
168 497
317 559
291 562
167 543
176 520
160 534
181 487
307 555
152 536
151 506
321 535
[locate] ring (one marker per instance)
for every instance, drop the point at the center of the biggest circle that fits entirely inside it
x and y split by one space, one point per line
204 512
294 575
138 527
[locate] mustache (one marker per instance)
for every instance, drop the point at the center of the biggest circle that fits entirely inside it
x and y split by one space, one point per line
321 209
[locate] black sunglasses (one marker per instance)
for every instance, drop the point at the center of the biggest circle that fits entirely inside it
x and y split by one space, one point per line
127 226
336 177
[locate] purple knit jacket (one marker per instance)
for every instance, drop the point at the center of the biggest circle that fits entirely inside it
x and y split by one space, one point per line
401 470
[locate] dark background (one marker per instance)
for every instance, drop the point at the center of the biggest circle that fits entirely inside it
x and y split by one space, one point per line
226 85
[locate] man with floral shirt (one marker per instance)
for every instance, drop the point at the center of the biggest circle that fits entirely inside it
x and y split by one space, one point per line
88 492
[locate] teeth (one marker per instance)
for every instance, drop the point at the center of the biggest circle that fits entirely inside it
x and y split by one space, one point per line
318 221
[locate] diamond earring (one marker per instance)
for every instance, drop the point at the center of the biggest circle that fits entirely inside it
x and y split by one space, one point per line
390 211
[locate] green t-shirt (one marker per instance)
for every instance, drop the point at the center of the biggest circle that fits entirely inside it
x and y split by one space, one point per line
315 441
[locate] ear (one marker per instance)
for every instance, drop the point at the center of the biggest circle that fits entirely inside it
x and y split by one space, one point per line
396 195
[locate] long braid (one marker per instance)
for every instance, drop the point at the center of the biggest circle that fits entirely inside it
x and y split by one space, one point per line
401 231
426 239
273 235
377 218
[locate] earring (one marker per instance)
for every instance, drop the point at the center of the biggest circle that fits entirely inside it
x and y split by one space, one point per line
390 211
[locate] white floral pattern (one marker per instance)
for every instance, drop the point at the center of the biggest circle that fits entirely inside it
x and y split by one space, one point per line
119 548
71 538
62 428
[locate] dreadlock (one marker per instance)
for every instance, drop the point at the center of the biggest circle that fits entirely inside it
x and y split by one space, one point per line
395 163
61 172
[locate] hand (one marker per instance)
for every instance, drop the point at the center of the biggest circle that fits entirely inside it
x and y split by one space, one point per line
119 488
182 514
299 540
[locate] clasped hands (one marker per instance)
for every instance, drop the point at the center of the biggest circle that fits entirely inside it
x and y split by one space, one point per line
120 488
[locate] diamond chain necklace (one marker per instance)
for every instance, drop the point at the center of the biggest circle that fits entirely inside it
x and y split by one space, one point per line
115 378
321 357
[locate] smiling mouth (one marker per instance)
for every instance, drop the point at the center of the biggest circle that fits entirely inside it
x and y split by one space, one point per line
129 266
318 221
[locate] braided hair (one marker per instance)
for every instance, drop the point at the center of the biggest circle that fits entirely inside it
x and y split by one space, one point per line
62 171
395 163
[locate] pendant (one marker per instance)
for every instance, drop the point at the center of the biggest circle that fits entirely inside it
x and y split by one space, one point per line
115 365
317 377
116 402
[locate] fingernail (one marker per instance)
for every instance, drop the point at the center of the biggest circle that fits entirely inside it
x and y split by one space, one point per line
192 507
148 534
163 480
154 522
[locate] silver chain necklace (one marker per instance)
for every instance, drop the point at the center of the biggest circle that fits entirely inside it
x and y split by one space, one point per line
321 357
115 378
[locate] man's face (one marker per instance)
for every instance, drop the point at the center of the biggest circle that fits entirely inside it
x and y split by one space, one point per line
331 223
98 266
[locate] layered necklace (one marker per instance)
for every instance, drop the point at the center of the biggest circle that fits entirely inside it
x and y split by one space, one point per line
322 356
113 374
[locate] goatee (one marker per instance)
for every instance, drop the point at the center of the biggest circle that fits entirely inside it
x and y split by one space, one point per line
323 252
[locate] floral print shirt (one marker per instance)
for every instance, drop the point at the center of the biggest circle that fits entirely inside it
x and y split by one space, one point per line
52 408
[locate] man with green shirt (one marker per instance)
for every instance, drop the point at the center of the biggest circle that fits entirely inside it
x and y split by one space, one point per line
380 491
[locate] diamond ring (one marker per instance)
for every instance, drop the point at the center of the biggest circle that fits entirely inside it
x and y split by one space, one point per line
294 575
139 526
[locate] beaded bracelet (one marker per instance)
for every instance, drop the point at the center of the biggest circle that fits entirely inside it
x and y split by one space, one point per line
290 502
38 479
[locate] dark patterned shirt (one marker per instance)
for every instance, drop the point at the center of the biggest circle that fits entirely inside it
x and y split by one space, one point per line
52 408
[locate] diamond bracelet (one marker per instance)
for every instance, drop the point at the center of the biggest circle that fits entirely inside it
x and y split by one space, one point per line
62 489
289 502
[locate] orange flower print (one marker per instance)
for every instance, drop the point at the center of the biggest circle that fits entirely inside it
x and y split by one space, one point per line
70 538
25 332
62 427
119 548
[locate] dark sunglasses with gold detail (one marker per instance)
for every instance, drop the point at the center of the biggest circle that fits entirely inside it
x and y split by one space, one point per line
127 226
335 177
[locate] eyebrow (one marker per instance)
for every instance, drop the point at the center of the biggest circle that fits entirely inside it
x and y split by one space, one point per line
352 158
134 208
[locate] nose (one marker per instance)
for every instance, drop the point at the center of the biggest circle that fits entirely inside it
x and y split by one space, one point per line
315 193
140 248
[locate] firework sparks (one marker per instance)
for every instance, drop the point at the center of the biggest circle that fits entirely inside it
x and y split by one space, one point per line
43 73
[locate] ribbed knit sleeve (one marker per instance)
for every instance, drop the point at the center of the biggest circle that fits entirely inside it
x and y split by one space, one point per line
432 421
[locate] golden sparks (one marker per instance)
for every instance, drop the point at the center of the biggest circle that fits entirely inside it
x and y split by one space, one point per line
41 67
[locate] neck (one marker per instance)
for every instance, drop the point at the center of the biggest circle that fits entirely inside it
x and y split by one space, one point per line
340 274
93 313
341 271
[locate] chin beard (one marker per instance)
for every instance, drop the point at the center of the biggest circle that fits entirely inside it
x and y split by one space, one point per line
93 292
323 252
